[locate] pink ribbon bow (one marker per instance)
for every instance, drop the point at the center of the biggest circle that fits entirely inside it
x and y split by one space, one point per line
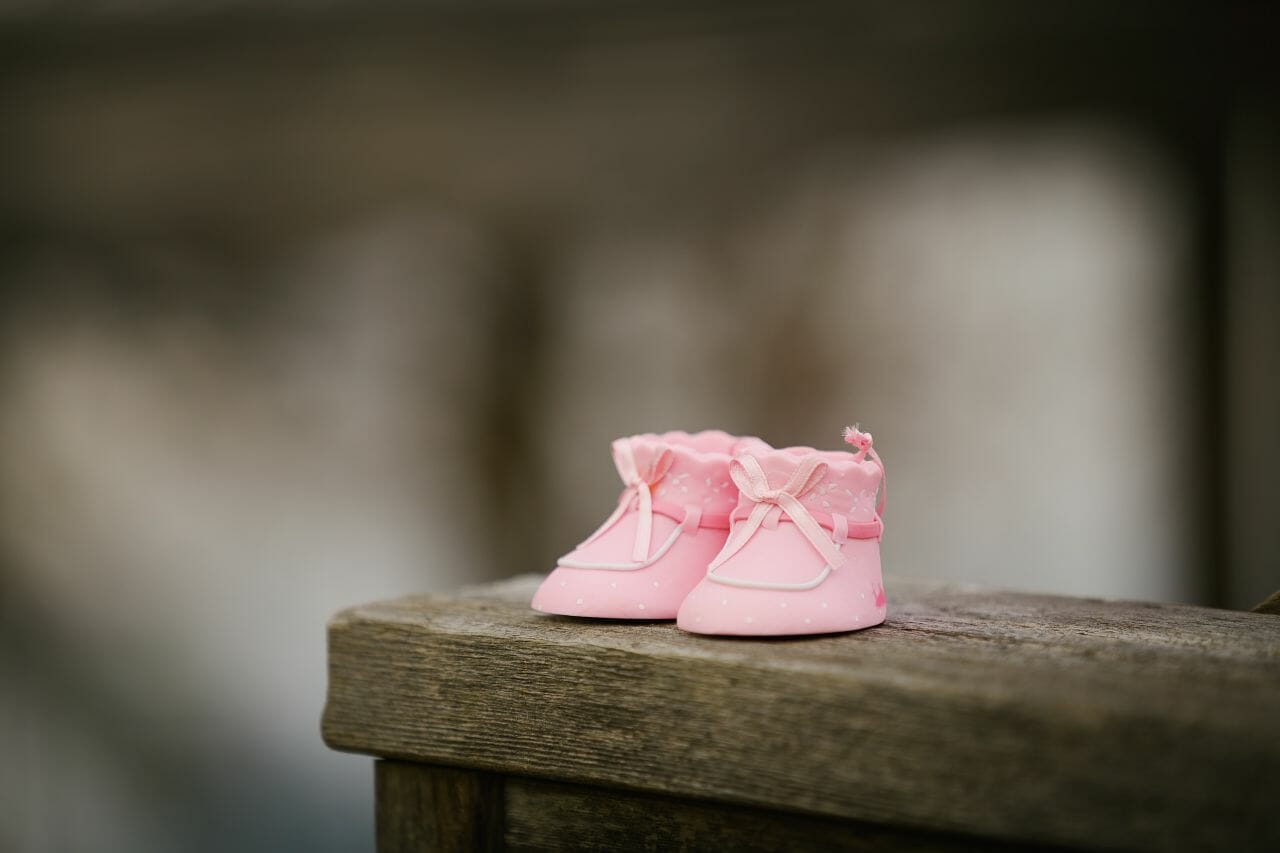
638 489
754 485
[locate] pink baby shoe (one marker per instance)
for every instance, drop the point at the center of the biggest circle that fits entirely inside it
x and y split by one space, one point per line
672 518
803 556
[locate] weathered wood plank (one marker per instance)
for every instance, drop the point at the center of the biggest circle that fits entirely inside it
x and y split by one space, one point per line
555 816
422 808
1022 717
1270 605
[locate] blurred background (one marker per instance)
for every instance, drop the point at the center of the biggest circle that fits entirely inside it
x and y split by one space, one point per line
297 299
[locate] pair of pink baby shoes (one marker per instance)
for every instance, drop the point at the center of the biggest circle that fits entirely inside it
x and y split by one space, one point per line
728 535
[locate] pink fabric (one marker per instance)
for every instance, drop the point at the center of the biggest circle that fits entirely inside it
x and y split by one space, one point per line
771 503
655 592
851 597
849 487
806 592
671 481
639 488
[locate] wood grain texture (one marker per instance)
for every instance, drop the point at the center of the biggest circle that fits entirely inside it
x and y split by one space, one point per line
554 816
1029 718
1270 605
422 808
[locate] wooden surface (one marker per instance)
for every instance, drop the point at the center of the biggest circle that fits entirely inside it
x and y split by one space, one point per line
557 816
1017 717
438 808
1270 605
430 808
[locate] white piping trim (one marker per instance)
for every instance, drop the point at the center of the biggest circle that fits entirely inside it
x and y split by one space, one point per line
627 567
750 584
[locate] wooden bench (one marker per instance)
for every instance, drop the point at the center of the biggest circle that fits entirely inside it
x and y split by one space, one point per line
972 719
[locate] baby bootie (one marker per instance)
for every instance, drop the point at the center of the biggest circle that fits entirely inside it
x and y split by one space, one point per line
672 518
803 556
